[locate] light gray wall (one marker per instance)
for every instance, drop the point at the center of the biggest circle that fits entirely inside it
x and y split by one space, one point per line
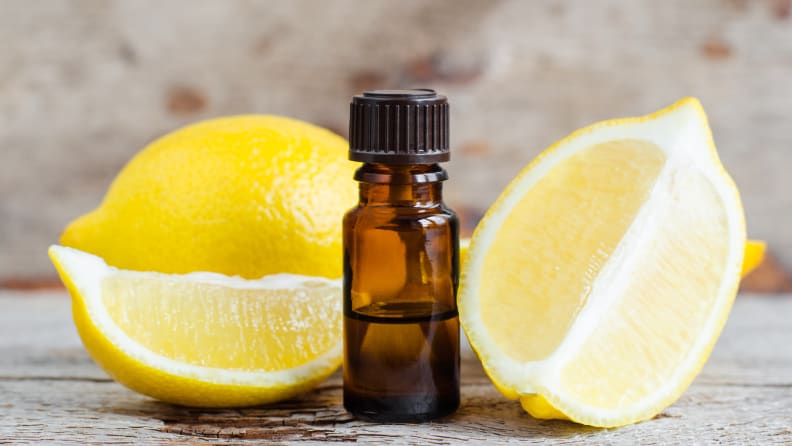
85 84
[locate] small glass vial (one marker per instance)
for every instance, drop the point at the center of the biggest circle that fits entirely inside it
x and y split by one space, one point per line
401 262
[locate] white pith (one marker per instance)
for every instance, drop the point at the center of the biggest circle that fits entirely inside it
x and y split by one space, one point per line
683 135
87 272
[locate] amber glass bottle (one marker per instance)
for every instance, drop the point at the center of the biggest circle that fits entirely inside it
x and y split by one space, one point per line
401 349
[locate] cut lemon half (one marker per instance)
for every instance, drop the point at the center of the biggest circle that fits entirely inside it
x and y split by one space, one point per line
597 284
205 339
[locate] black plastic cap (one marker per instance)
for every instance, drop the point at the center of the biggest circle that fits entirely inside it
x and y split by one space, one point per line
399 127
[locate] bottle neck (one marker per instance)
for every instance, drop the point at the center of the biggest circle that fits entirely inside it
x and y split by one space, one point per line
413 185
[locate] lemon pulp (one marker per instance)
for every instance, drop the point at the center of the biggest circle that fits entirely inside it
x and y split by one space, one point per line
587 202
205 339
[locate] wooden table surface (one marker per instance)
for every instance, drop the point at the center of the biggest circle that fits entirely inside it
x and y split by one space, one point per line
51 392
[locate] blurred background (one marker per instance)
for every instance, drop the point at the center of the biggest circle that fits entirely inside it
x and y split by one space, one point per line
85 84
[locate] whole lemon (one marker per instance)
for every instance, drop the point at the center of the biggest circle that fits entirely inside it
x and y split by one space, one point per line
244 195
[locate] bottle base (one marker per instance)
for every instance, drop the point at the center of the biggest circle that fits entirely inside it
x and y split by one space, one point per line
399 409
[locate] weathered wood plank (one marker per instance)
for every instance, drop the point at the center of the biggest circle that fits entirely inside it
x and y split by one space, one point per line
50 391
92 82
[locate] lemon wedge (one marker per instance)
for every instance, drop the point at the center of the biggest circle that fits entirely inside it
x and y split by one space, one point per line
754 255
597 284
205 339
464 245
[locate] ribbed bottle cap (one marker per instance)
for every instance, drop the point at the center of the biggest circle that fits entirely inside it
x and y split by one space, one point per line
399 127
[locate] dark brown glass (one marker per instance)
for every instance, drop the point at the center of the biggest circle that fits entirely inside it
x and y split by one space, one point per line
401 271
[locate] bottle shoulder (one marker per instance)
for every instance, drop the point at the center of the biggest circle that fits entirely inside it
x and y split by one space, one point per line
417 211
439 215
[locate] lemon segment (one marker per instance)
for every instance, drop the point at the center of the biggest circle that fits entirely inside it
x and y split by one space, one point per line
684 270
270 327
205 339
754 254
540 295
597 284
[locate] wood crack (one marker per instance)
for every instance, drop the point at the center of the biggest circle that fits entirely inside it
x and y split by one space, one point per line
265 430
745 384
56 378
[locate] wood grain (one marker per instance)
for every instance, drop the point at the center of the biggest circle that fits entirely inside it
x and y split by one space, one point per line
51 392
